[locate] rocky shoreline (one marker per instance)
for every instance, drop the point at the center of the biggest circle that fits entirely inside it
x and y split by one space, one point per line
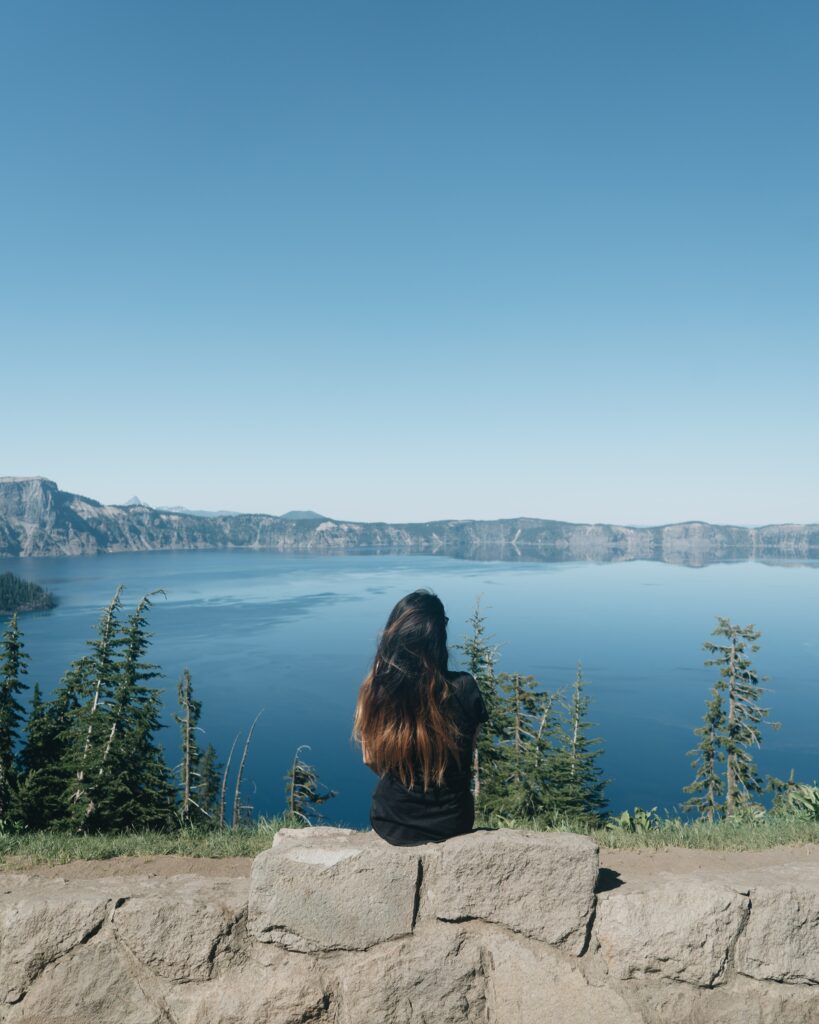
37 519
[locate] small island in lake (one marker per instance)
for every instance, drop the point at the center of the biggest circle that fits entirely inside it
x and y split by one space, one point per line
18 595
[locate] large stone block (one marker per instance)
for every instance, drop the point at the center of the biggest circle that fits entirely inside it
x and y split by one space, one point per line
292 993
532 984
540 884
435 977
41 922
781 940
91 985
739 1001
177 930
681 930
327 888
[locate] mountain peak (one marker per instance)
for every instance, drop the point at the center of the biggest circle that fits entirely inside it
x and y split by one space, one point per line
306 514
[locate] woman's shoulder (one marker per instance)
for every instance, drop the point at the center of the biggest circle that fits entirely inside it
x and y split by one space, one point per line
461 682
468 694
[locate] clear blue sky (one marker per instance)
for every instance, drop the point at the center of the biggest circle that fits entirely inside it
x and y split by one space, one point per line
408 260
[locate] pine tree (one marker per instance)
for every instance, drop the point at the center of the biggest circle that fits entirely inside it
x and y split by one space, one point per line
209 778
40 796
199 771
525 724
118 778
304 791
731 726
88 730
708 786
743 688
243 810
12 669
136 790
188 721
480 657
45 757
224 781
575 776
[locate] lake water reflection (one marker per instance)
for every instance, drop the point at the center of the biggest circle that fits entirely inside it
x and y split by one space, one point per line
294 634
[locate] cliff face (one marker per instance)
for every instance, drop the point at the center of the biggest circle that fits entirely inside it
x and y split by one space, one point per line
337 927
37 518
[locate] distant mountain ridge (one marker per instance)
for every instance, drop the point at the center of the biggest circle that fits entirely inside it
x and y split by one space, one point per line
38 519
209 514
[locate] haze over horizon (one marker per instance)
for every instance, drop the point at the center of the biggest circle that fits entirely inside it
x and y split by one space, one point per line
405 262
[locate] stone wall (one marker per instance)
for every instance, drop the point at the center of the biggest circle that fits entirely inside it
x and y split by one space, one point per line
336 926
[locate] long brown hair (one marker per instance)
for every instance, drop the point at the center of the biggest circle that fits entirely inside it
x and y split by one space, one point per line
401 717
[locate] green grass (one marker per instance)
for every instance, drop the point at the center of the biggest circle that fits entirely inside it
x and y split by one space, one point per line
723 835
762 834
21 850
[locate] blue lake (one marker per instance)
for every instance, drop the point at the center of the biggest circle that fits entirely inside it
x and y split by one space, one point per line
294 634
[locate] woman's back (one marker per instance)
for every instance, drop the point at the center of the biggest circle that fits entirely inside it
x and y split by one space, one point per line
406 816
417 722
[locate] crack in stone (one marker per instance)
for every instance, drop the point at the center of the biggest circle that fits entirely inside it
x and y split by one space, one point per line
589 927
419 878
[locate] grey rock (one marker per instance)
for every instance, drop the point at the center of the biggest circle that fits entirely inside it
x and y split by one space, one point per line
540 884
781 940
290 994
682 930
37 519
40 923
533 984
739 1001
325 889
150 950
178 930
91 985
434 978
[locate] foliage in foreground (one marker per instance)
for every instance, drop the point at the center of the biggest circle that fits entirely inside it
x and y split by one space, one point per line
730 729
534 755
89 760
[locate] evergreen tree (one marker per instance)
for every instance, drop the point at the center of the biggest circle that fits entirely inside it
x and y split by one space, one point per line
136 790
199 772
744 715
39 798
45 757
526 728
708 786
731 725
304 790
243 811
575 776
210 772
117 774
480 656
89 727
188 721
12 669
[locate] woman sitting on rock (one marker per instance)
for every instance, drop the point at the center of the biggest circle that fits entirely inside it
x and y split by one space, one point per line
417 724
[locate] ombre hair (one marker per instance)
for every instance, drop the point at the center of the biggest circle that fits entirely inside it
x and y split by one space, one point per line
401 718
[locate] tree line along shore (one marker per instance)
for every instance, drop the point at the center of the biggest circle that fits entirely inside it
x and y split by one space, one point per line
17 595
86 763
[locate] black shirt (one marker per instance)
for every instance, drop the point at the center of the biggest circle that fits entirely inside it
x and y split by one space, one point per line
406 817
